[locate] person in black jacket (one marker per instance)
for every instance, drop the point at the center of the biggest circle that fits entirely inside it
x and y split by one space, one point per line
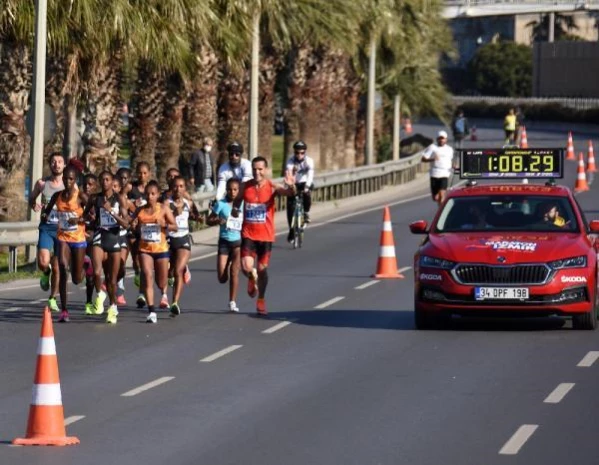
202 169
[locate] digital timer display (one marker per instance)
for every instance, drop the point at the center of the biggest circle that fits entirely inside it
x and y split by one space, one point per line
511 163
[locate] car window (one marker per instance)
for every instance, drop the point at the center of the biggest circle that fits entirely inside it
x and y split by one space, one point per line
507 213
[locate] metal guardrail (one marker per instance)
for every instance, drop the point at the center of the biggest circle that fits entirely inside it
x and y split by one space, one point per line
574 103
476 8
328 186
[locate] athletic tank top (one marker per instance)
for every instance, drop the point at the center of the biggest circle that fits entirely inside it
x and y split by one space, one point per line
152 236
259 212
182 219
47 192
68 209
104 220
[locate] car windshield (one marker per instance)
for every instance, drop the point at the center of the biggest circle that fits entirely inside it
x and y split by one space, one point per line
507 213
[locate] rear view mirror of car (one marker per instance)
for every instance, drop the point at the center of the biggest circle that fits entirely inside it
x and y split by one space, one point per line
420 227
594 226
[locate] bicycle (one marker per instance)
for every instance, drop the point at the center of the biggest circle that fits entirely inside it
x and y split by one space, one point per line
297 221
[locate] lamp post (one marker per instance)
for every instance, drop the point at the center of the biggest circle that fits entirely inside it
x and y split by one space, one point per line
254 87
370 103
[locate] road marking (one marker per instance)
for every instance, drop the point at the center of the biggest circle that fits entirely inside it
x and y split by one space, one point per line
368 284
145 387
404 269
70 420
202 257
38 301
559 393
220 353
328 303
515 443
276 327
589 359
13 309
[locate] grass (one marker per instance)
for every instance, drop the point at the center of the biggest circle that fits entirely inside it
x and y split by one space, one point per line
26 271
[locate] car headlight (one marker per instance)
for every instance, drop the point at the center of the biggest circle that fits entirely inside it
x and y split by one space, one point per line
572 262
433 262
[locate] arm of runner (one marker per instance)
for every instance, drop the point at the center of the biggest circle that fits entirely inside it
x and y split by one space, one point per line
83 199
213 219
37 190
170 222
427 155
50 206
288 188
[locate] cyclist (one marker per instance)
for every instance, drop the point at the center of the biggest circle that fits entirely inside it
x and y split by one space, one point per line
237 167
228 260
302 166
258 229
47 246
71 233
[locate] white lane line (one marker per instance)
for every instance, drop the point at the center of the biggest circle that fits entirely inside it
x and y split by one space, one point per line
150 385
589 359
404 269
515 443
276 327
328 303
202 257
559 393
13 309
220 353
365 285
70 420
38 301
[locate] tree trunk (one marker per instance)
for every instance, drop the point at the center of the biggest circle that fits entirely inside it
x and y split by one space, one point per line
15 86
102 112
147 108
352 104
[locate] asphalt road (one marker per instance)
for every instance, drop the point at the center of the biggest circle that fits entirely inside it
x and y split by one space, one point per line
336 374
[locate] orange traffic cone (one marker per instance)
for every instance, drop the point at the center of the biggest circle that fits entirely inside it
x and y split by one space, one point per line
581 177
387 263
591 168
45 426
408 126
570 148
523 138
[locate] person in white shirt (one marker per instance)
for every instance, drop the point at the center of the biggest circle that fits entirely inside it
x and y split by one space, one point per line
440 155
237 168
302 167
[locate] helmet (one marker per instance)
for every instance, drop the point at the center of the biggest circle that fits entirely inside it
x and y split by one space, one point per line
300 145
235 147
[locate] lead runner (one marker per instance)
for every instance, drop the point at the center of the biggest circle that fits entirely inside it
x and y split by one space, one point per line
258 230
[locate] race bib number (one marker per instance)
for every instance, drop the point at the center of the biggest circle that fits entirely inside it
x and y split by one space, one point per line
234 224
107 221
255 213
183 221
52 217
150 232
63 221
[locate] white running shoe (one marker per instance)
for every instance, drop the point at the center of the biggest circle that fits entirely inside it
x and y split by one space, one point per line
233 307
152 318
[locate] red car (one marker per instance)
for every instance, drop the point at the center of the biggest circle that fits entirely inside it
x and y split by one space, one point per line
507 249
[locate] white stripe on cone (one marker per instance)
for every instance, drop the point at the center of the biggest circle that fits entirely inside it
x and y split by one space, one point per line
46 394
46 346
387 251
387 226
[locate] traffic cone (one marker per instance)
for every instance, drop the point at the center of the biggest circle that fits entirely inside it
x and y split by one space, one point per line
45 426
473 135
581 177
570 148
523 138
387 263
591 168
408 126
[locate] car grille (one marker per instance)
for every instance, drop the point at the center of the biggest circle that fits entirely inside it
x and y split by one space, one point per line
490 274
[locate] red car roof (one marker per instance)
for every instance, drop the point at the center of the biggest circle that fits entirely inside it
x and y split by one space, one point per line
502 189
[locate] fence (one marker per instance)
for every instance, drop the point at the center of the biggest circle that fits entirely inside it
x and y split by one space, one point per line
328 186
579 104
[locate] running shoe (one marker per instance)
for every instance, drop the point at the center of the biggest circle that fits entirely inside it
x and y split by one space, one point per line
53 304
187 275
89 308
45 281
99 303
233 307
137 280
261 307
120 300
164 301
171 282
64 317
141 301
253 283
175 309
152 318
112 314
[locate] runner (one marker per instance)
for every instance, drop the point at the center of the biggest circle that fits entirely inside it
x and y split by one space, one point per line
111 215
124 174
47 246
153 219
117 186
228 260
179 241
90 187
258 230
69 203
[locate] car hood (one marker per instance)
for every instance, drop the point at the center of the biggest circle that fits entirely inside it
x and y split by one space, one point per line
505 248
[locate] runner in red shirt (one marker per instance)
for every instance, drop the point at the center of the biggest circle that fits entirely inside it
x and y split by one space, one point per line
258 230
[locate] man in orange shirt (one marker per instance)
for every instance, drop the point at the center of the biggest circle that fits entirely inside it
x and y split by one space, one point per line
258 230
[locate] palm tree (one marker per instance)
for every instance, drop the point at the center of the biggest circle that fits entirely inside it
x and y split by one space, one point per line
563 26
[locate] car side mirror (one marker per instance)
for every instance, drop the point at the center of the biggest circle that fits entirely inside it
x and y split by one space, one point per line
420 227
594 226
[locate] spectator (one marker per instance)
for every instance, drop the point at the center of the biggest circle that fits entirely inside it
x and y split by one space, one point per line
509 126
202 168
460 129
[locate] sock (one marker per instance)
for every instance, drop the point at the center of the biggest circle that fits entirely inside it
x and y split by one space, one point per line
150 308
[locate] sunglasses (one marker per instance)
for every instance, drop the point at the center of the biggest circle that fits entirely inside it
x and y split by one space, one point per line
234 154
302 152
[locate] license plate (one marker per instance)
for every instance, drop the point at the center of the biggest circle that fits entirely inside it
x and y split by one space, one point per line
501 293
